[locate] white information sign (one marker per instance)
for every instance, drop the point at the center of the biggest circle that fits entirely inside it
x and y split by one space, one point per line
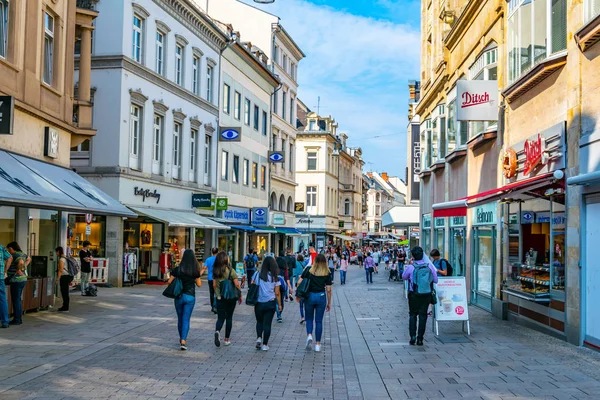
452 300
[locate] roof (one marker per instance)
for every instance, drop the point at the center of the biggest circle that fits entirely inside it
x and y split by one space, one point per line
400 216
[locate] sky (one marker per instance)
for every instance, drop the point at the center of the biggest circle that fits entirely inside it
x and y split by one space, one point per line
360 55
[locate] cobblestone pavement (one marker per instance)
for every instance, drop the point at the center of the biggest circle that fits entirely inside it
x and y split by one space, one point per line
123 344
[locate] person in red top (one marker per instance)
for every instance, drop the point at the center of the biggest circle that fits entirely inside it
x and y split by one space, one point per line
313 255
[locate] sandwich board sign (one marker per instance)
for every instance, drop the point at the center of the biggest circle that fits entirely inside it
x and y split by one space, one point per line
452 301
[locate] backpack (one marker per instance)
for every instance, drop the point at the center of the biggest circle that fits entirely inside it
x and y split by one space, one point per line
250 262
449 269
422 279
73 266
91 291
284 287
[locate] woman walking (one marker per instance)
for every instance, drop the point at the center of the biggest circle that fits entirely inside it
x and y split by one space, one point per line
369 265
269 296
318 301
189 273
223 272
64 278
300 263
17 276
343 269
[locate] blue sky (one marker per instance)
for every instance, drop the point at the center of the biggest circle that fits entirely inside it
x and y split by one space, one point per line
360 55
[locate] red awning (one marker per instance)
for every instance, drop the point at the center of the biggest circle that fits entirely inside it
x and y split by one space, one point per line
458 208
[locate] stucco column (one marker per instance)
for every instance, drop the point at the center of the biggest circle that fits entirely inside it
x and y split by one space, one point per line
85 63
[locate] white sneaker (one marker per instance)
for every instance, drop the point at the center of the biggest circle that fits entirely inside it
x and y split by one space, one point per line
265 347
227 343
309 341
258 343
317 348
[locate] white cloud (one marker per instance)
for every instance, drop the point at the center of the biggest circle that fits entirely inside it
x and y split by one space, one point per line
359 66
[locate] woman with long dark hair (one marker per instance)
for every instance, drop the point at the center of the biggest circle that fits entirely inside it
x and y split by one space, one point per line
269 296
17 276
189 272
64 278
318 301
222 272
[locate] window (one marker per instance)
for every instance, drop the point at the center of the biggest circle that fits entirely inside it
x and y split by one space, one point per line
311 161
226 98
224 165
247 111
157 140
291 158
209 79
376 226
160 48
293 71
536 29
283 107
283 151
347 207
254 175
291 111
378 197
276 53
311 197
284 62
196 75
207 146
485 68
256 117
246 172
3 27
236 169
237 105
136 43
592 9
193 136
282 203
275 99
134 130
179 64
263 177
264 123
48 48
377 211
426 144
177 145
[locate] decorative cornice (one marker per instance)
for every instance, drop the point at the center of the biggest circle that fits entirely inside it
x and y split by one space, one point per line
138 97
195 122
120 61
140 10
211 62
187 14
462 22
197 51
209 127
178 115
159 107
181 40
161 26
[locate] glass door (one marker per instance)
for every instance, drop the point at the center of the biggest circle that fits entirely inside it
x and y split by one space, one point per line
457 250
484 255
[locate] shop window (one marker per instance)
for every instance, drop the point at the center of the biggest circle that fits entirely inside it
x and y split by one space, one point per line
536 30
484 68
592 9
7 224
77 229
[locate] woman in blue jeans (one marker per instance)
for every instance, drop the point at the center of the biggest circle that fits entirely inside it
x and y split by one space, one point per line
318 300
17 276
189 272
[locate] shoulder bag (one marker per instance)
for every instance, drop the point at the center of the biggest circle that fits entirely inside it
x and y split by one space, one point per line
304 286
174 290
253 288
228 289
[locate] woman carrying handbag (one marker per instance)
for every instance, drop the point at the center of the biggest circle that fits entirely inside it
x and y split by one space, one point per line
227 292
269 295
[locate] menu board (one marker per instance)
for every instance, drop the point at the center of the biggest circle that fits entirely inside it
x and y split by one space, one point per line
452 299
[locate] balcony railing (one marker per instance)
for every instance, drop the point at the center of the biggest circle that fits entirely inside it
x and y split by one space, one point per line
87 4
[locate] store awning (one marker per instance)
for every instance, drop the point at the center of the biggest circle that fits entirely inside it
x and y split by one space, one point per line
400 217
246 228
188 219
590 178
458 208
344 237
288 231
28 182
264 229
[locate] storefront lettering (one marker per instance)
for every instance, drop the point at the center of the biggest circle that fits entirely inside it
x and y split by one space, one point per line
18 183
305 221
485 217
233 214
146 193
533 154
474 99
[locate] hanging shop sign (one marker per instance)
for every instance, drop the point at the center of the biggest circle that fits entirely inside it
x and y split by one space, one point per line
426 221
222 203
51 142
527 217
509 163
236 215
276 156
146 194
278 219
7 108
477 100
202 200
485 214
260 216
89 218
299 207
227 134
439 222
457 222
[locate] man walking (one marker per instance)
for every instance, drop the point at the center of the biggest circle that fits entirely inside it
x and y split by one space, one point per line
85 259
209 264
250 263
5 262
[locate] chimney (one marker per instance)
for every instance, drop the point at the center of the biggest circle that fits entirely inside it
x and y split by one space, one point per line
384 175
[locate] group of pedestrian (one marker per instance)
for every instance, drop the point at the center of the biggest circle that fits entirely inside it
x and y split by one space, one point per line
276 280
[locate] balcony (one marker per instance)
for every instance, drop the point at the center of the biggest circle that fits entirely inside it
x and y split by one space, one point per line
87 4
347 187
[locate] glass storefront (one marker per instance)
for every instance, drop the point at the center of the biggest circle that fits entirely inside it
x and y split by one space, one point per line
144 237
179 240
440 236
78 232
7 224
226 242
42 240
457 250
426 233
484 256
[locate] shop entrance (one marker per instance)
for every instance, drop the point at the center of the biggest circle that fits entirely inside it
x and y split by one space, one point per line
592 274
458 249
484 256
440 236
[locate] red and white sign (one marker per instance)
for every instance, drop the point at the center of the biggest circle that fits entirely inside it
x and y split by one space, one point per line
477 100
534 153
452 299
89 218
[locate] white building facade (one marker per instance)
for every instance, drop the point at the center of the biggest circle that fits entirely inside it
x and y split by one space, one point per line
156 66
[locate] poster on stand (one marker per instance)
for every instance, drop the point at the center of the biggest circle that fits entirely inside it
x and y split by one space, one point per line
452 299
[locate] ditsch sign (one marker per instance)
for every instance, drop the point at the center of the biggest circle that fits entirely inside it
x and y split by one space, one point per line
534 152
477 100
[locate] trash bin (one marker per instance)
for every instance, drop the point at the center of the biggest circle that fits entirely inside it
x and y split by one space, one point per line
47 292
32 295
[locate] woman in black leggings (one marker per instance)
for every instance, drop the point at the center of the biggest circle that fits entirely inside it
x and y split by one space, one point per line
222 271
269 296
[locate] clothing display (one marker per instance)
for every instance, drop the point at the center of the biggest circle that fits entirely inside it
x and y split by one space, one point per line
130 266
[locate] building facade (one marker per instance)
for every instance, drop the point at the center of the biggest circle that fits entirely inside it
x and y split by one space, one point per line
380 199
156 105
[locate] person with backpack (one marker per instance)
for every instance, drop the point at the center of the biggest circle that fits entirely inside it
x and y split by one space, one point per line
250 263
5 262
269 296
85 259
189 272
209 264
421 276
227 292
369 266
64 278
284 279
442 265
318 301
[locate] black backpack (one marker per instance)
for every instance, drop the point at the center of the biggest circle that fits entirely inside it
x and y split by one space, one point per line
250 262
449 269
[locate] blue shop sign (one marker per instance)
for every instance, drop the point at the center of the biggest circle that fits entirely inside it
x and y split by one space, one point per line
230 134
237 215
260 216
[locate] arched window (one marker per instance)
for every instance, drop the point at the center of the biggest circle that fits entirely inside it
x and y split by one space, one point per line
273 202
290 207
282 203
347 207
